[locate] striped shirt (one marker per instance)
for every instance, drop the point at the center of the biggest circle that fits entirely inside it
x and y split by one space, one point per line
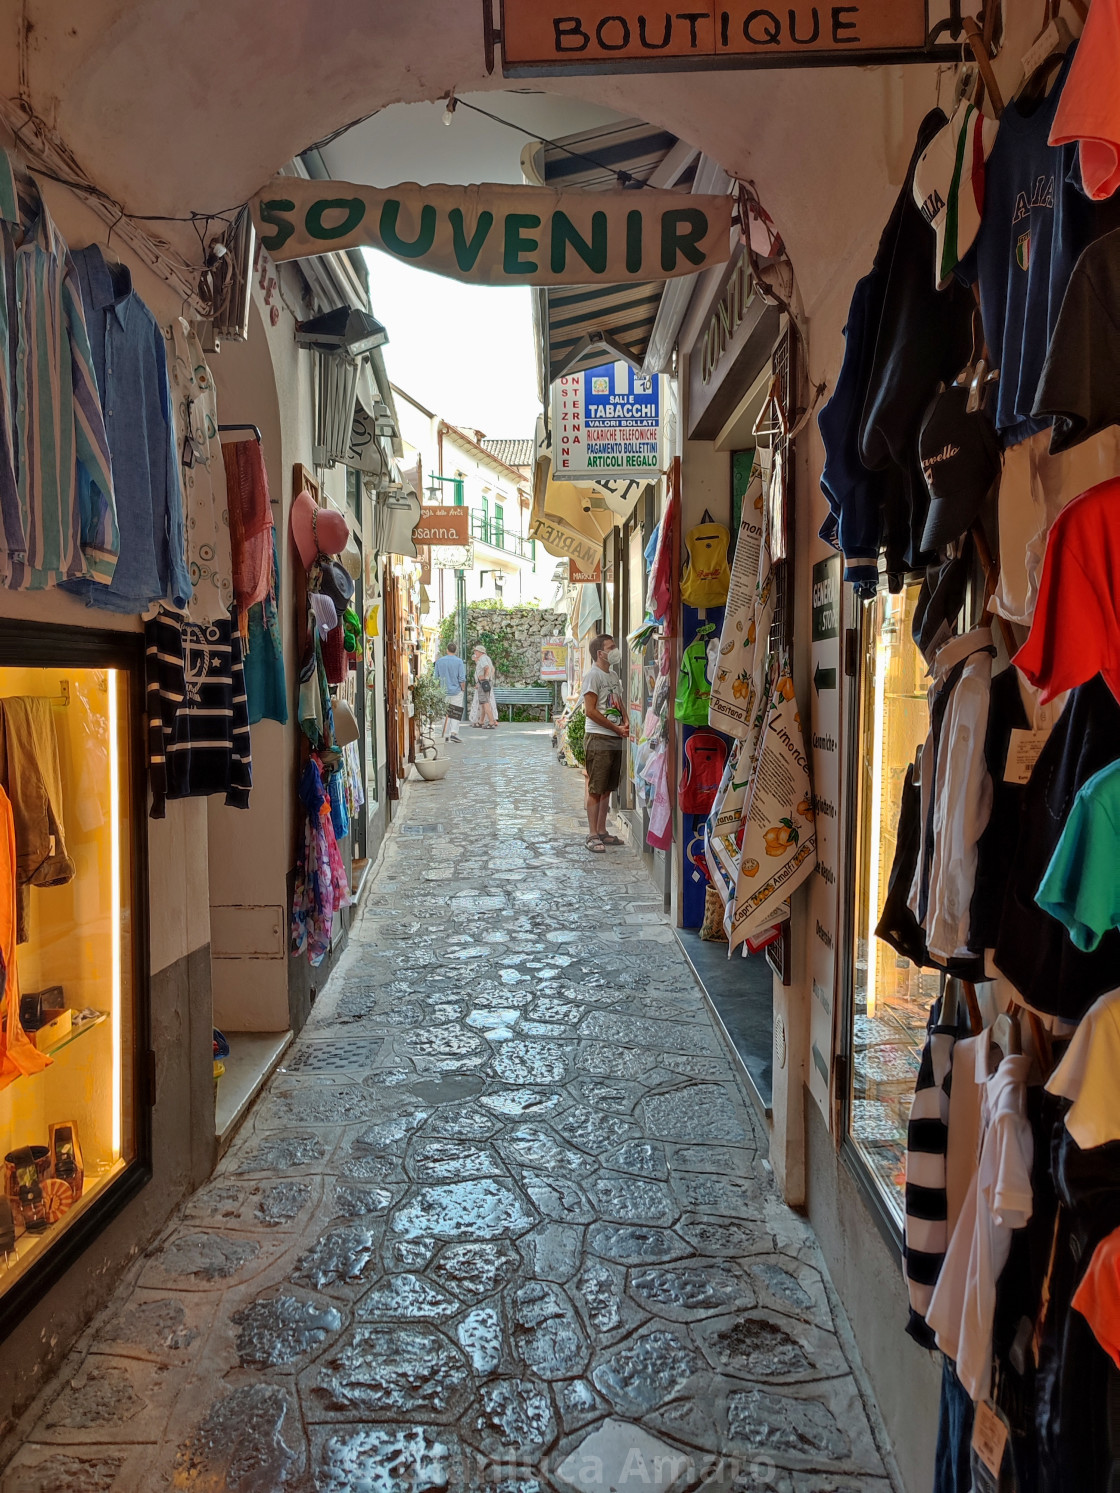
198 714
926 1232
58 516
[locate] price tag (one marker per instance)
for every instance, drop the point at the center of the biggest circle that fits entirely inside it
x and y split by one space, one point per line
1022 754
989 1437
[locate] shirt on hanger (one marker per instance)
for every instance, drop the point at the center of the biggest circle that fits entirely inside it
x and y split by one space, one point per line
1075 633
956 792
1033 950
1087 1075
1019 725
131 365
1036 222
1097 1298
1088 111
198 715
1080 384
999 1200
1081 887
58 519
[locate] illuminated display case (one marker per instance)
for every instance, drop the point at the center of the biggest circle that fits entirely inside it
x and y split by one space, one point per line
74 1121
891 997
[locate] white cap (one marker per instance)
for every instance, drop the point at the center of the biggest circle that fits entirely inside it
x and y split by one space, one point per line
949 185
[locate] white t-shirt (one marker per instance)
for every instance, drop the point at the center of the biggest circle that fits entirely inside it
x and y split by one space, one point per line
1087 1075
999 1200
607 688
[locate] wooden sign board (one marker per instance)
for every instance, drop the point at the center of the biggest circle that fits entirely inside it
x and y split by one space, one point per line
443 526
577 576
539 37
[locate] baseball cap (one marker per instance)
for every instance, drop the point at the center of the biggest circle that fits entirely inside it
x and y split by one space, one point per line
960 460
949 185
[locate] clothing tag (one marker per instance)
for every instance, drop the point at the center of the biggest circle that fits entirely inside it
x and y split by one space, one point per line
989 1437
1022 754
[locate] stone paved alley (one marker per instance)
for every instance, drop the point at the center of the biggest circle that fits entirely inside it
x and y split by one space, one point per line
502 1221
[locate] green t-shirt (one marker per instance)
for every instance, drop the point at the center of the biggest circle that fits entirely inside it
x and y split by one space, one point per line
1081 887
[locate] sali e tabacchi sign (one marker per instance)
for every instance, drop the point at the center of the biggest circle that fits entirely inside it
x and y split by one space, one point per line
494 234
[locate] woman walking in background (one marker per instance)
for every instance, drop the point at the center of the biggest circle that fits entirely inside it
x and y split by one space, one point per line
484 712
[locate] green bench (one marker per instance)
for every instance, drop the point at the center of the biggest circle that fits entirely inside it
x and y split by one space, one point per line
529 694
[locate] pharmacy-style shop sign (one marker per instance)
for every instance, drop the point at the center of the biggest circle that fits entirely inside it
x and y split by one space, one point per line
539 37
497 234
606 422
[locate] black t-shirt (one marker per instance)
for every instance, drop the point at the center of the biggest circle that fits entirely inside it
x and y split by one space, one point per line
1080 384
995 853
1033 949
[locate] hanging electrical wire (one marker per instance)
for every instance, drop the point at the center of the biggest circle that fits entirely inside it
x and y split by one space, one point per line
624 178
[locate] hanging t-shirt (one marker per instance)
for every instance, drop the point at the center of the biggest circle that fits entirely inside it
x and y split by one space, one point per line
1089 110
1000 1200
1081 887
1033 950
1086 1076
1097 1298
1080 384
1075 633
1036 222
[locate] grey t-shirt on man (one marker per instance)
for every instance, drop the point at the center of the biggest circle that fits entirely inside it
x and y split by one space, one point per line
607 688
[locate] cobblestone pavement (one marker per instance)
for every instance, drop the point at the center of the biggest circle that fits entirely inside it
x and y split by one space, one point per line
501 1224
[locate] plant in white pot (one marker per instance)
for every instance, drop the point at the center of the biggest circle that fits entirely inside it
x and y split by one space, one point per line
430 702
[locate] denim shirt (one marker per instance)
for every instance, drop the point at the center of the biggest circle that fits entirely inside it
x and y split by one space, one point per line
130 362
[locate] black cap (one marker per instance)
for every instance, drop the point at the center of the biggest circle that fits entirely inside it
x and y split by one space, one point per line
960 459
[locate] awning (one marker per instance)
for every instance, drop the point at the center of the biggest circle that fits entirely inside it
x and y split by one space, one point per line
574 319
566 525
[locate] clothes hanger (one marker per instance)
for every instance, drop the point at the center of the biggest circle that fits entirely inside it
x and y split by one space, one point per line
1005 1038
1045 56
253 428
980 44
950 1001
706 517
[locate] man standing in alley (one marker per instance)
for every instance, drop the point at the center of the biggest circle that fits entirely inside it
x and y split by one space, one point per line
451 672
605 735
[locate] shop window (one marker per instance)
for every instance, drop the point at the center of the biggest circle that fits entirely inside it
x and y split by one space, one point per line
891 996
73 1129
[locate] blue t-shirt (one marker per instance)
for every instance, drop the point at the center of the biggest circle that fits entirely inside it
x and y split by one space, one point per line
451 672
1036 222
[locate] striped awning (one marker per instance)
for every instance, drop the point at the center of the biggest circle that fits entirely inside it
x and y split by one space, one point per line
576 318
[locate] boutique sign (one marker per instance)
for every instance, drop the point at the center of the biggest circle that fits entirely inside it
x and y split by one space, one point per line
605 36
501 235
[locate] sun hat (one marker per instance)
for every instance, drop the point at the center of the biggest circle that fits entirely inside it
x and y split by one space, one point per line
326 613
949 185
317 530
334 582
345 724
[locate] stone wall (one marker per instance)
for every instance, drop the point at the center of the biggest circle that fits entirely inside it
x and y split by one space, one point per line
512 636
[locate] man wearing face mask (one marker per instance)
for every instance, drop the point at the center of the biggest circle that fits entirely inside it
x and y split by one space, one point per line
604 737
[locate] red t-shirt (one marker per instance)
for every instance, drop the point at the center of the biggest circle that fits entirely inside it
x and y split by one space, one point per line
1076 629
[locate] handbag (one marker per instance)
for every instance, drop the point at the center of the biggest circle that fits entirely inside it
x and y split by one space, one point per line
484 688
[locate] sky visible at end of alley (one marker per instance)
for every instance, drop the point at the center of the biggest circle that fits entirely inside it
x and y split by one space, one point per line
464 351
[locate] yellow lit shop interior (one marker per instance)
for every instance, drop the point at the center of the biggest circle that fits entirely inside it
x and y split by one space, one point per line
67 1110
891 996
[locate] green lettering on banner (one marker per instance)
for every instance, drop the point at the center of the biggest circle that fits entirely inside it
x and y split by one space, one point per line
682 228
593 254
421 244
633 242
270 211
467 249
515 244
352 208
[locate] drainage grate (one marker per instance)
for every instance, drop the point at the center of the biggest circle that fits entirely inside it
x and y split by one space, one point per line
332 1057
420 829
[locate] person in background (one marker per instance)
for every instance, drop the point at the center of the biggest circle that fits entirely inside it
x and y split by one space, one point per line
487 711
451 672
605 733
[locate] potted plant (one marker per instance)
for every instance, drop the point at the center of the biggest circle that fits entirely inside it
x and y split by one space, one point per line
430 704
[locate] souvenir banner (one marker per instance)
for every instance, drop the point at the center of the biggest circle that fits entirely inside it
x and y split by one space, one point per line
499 234
778 849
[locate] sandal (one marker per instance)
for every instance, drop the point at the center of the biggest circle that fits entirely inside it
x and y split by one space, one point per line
595 845
611 840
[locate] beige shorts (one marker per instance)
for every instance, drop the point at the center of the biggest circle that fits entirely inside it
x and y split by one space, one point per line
602 757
